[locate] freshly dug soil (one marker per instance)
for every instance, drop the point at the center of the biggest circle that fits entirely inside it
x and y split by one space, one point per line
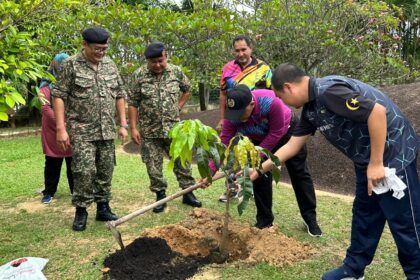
178 251
151 258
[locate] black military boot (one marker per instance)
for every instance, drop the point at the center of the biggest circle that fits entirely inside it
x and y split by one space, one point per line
159 196
103 212
191 200
80 219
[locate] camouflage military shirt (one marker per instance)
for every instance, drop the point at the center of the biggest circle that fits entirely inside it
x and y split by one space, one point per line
157 99
89 97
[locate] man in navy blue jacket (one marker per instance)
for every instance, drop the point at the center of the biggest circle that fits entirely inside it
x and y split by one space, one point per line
370 129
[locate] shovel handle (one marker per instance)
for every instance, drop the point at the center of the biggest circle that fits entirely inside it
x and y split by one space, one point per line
160 202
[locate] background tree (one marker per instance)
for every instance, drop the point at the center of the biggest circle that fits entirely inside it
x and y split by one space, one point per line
409 30
21 60
344 37
330 37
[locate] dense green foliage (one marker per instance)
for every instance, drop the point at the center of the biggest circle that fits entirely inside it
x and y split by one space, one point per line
356 38
409 30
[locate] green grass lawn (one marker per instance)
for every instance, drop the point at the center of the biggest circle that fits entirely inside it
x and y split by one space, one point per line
28 228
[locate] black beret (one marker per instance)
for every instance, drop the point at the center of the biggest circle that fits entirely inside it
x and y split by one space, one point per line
95 35
154 50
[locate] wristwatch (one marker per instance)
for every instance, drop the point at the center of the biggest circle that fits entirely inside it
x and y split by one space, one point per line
125 126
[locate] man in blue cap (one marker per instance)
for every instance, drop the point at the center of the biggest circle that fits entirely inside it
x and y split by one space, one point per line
157 93
87 92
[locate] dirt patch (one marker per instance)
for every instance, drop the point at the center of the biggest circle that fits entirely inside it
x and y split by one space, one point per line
131 148
178 251
32 206
208 274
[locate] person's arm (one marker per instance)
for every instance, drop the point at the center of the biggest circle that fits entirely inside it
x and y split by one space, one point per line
62 136
377 132
123 121
185 89
183 99
287 151
132 116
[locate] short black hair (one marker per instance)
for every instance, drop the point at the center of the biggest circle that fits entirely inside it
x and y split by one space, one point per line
242 38
286 73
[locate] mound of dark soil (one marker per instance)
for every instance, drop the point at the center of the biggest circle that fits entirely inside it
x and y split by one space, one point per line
151 259
178 251
331 170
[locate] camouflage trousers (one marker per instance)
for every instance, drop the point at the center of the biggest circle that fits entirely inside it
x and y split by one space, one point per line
92 165
152 152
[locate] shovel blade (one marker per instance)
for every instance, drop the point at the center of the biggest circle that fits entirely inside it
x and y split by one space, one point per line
116 234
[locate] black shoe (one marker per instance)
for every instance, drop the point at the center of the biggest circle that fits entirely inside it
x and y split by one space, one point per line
104 213
312 226
80 219
191 200
159 196
262 225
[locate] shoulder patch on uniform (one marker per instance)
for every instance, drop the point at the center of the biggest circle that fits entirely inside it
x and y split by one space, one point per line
352 104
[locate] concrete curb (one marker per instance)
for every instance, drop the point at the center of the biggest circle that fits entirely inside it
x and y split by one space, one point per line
23 133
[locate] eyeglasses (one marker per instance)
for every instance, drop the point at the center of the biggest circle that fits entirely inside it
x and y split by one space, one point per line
99 50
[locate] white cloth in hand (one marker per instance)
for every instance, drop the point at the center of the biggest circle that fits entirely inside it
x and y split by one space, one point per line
391 182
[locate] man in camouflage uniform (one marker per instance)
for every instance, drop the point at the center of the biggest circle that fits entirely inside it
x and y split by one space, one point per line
87 93
158 91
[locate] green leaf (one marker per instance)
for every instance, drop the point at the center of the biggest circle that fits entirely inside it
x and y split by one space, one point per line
269 155
173 133
203 164
246 183
9 101
202 138
215 156
3 116
230 160
17 97
276 174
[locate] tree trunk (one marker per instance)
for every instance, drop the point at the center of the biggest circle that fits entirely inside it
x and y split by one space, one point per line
204 96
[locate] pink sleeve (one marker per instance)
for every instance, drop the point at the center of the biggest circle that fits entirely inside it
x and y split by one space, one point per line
279 120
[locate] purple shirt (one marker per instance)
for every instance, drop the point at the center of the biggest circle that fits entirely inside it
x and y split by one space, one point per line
268 123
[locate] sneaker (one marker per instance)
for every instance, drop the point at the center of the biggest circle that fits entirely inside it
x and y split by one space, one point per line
223 197
341 273
46 199
312 226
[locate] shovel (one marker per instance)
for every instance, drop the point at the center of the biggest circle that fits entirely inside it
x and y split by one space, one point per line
112 225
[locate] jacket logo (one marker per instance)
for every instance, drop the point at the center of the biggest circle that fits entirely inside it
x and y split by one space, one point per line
230 103
326 127
351 104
